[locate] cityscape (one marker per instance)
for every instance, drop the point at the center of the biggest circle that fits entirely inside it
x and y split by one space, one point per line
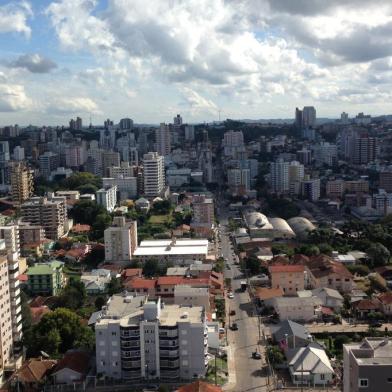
169 222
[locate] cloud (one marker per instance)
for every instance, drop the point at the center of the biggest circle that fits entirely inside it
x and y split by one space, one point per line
14 16
75 105
35 63
196 103
13 98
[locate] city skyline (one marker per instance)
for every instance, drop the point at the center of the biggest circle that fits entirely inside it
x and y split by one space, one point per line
248 59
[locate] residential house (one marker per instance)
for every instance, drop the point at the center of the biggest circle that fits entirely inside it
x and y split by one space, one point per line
96 281
37 313
72 368
292 335
294 308
32 375
310 366
365 306
46 278
266 295
329 298
192 296
131 273
325 272
142 286
386 303
290 278
77 253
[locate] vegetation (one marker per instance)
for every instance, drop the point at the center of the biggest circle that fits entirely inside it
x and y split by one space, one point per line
219 265
283 208
278 249
274 355
154 268
73 296
114 286
58 332
220 308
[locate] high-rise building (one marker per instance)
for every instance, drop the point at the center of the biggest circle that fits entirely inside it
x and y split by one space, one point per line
120 240
296 175
203 211
325 153
154 174
49 212
233 142
365 149
162 140
22 182
310 189
304 156
308 117
279 176
386 180
205 158
298 118
4 165
136 339
48 162
367 365
127 187
344 118
107 197
126 123
10 308
107 138
109 159
239 180
177 121
75 155
124 170
189 132
18 153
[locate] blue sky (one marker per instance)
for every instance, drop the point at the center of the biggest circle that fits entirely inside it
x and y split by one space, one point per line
150 60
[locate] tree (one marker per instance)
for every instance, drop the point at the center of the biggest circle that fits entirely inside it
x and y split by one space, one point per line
95 256
86 211
26 312
79 179
58 332
253 264
101 223
150 268
378 254
219 265
275 355
161 207
282 248
99 302
360 269
72 296
114 286
308 250
340 340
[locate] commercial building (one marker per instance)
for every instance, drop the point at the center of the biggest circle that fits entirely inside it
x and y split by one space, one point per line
22 182
107 197
176 251
48 162
120 240
136 339
367 366
154 174
163 140
49 212
335 189
46 278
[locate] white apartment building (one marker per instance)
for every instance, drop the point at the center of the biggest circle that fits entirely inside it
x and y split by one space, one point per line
325 153
75 155
10 308
49 212
162 140
124 170
154 174
279 176
126 186
239 178
18 153
120 240
232 142
296 174
189 132
136 339
48 161
107 197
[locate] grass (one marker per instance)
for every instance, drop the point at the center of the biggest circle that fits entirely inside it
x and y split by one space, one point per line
221 371
159 219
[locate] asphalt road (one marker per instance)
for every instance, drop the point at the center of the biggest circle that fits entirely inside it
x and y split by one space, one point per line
249 375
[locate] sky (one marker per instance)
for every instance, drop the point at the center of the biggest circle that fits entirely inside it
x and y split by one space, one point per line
151 59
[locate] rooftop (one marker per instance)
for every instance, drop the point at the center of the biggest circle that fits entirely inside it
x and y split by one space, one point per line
44 268
372 351
286 268
173 314
120 305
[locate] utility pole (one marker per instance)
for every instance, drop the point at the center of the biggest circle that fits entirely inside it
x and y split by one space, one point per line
215 371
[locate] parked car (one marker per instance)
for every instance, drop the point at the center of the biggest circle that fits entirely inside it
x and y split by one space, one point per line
375 324
256 355
234 327
230 295
232 312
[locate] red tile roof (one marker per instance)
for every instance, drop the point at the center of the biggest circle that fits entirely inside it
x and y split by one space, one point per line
366 304
327 311
386 298
140 283
321 266
286 268
77 361
81 228
37 301
169 280
38 312
23 278
34 370
199 386
264 293
130 272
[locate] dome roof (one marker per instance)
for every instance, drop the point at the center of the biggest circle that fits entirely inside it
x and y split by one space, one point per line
301 226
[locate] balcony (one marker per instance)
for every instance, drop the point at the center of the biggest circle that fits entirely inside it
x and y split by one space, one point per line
168 354
133 365
168 344
126 345
131 374
167 335
170 364
14 284
169 374
127 355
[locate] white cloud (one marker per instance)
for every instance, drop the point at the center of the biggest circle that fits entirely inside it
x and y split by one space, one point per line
14 16
35 63
76 105
13 98
195 104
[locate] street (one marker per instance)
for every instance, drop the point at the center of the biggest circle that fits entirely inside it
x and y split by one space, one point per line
249 374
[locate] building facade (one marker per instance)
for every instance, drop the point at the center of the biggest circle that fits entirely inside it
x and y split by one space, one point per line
154 174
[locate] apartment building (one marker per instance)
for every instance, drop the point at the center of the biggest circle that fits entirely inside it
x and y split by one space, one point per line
124 170
367 366
136 339
386 180
163 140
192 296
335 189
154 174
22 182
290 278
203 215
48 162
50 212
120 240
110 159
127 187
107 197
46 278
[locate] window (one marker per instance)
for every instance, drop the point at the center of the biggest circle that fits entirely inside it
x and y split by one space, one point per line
363 382
322 376
114 333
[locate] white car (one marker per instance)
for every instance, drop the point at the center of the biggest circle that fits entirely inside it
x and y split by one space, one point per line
230 295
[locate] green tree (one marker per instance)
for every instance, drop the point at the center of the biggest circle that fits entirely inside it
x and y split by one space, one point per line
99 302
86 211
379 254
26 312
95 257
308 250
101 223
114 286
340 340
282 248
253 264
79 179
58 332
161 207
275 355
72 296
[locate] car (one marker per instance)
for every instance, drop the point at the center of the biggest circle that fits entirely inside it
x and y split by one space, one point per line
234 327
376 324
221 330
232 312
256 355
230 295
